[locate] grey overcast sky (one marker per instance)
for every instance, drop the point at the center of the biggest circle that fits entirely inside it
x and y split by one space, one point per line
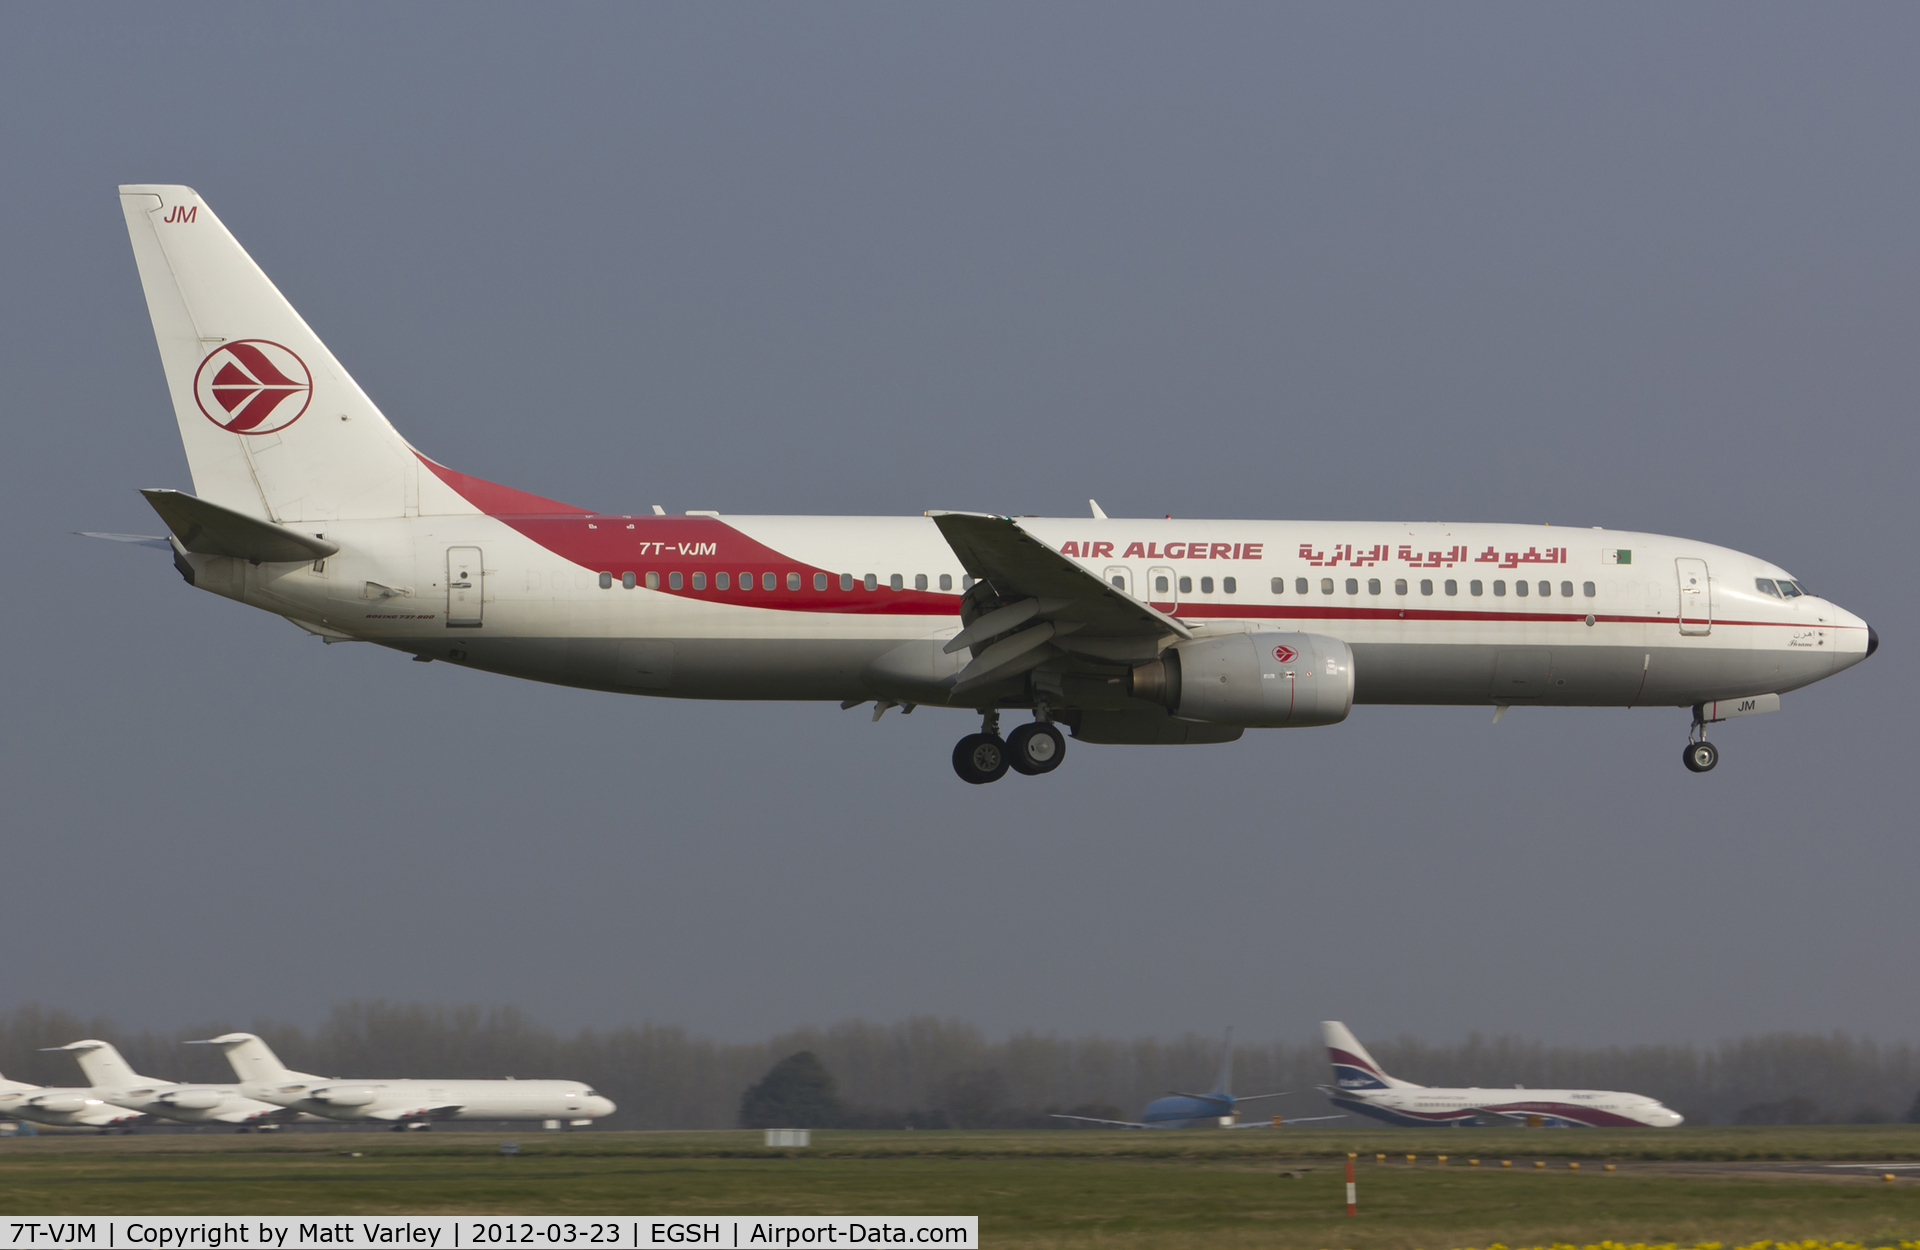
1646 266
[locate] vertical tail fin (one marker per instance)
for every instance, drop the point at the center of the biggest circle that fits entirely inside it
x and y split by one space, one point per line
253 1061
1353 1067
101 1064
1224 1086
273 425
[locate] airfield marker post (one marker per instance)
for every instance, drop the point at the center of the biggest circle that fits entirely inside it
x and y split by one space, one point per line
1353 1193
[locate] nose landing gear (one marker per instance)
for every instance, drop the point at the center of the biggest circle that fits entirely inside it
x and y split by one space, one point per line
1032 749
1700 755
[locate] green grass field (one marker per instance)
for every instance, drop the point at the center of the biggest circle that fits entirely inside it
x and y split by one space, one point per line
1107 1189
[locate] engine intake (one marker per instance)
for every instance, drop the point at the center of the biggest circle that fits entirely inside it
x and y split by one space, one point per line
1254 680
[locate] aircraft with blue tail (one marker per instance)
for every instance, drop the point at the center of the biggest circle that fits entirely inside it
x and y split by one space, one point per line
1218 1109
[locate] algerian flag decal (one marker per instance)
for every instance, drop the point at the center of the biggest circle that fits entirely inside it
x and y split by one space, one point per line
1616 556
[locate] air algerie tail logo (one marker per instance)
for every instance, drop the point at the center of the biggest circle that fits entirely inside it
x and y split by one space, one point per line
252 386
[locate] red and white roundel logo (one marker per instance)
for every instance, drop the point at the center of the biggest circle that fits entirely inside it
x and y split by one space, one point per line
1284 654
252 386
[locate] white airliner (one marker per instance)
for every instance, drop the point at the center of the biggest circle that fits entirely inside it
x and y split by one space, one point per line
113 1079
404 1103
311 506
1363 1086
64 1107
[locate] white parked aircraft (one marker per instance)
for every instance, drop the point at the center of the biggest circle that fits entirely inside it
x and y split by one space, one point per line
64 1107
405 1103
310 505
1361 1085
113 1078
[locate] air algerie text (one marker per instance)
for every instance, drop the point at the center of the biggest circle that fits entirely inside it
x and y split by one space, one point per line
1172 551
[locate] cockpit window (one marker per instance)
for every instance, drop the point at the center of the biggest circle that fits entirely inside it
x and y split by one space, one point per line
1790 590
1766 587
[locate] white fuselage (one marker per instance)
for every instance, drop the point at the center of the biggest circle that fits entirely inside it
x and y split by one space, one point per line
404 1101
66 1107
1434 613
1418 1105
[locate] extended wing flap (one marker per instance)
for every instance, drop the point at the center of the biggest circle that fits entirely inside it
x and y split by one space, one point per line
207 529
997 550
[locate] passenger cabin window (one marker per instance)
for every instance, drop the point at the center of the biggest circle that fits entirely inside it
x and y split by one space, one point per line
673 581
1586 588
1373 585
1300 586
720 582
1160 586
769 581
1476 587
946 581
846 581
1546 589
819 581
871 582
1499 589
699 581
793 581
895 583
919 581
1566 590
1519 588
1279 585
1452 587
1400 586
653 581
1426 585
1229 585
1353 585
1120 583
606 581
1206 585
966 581
1186 585
626 580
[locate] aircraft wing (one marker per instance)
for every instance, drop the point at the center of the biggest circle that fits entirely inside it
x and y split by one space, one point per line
396 1115
1490 1118
1282 1121
1042 596
1087 1119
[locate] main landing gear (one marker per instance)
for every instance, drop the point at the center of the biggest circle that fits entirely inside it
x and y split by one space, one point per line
1034 748
1700 755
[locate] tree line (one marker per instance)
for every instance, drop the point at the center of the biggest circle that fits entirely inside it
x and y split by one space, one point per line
930 1072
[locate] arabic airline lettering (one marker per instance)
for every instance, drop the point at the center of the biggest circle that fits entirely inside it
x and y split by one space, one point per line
307 503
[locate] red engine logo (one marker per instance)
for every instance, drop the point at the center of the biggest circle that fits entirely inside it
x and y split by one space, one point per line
1284 654
252 386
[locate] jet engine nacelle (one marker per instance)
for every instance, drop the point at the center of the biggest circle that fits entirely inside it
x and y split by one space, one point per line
58 1103
1255 680
345 1095
193 1099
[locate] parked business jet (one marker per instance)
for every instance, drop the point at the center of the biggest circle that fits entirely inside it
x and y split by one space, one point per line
310 505
404 1103
114 1079
1220 1108
1360 1084
64 1107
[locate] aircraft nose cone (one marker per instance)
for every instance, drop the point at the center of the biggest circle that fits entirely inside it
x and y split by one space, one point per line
1873 640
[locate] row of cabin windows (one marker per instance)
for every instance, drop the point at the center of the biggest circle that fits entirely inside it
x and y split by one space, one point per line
771 581
1302 586
1228 585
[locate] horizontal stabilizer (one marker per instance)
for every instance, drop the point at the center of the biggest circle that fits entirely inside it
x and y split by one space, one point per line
208 529
1088 1119
138 540
1281 1121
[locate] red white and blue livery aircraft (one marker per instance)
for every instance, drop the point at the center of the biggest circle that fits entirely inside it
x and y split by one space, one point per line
307 503
1363 1086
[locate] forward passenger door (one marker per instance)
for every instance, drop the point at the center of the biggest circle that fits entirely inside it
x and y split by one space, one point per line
1696 596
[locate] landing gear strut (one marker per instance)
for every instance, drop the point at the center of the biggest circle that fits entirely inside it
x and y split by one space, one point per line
1700 755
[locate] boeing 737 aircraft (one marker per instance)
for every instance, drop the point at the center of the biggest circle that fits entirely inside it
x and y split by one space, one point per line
64 1108
1360 1084
113 1079
311 506
404 1103
1219 1108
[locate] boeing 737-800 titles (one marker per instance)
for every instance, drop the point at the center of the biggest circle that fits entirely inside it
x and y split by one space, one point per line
1363 1086
310 505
